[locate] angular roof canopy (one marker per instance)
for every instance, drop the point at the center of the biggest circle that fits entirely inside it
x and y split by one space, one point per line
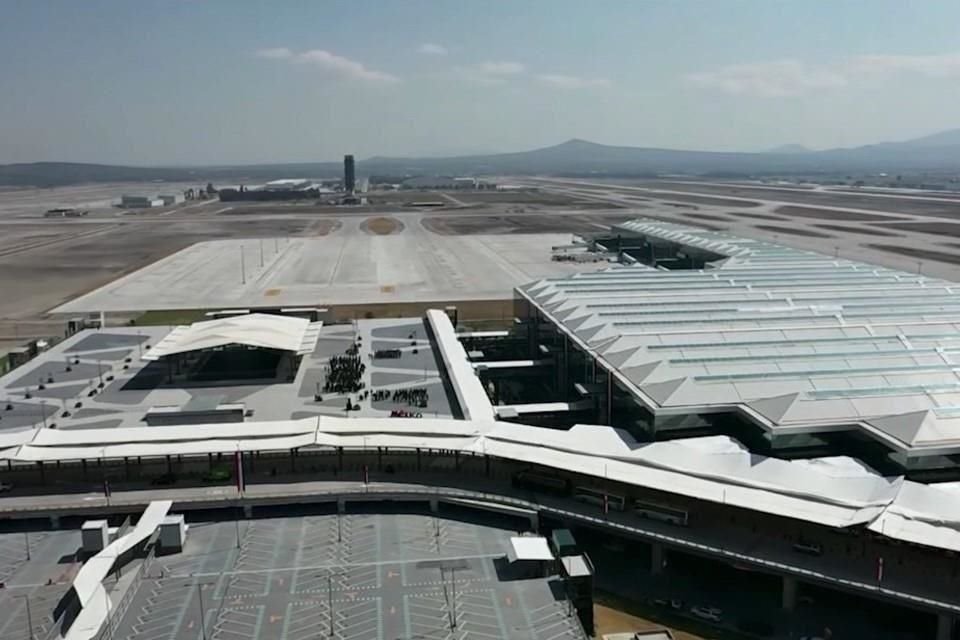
265 331
834 491
795 340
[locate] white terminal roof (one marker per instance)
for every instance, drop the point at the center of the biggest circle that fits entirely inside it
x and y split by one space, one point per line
473 400
795 340
262 330
834 491
529 548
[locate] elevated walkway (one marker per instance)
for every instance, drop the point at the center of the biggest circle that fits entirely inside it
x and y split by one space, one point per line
95 603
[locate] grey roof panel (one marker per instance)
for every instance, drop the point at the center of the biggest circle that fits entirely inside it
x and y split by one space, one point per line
803 339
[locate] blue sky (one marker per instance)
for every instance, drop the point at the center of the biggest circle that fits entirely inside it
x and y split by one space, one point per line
243 81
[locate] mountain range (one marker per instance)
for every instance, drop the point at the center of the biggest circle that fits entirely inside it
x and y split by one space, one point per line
936 152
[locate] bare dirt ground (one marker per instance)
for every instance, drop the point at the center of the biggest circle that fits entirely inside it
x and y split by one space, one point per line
716 202
381 226
834 214
939 207
757 216
936 228
867 231
707 216
522 223
919 254
792 231
97 198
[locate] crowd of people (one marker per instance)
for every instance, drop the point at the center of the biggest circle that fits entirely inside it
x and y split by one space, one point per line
343 373
415 397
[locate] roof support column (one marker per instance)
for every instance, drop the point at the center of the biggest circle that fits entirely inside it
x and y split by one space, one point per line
562 365
533 331
789 600
658 558
945 624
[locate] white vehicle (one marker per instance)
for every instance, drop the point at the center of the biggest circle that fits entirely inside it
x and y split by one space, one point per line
5 487
706 613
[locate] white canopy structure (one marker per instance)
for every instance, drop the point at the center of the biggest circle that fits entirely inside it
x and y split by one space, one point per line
473 400
283 333
835 492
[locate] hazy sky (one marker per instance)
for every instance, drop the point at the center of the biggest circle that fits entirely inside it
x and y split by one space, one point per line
242 81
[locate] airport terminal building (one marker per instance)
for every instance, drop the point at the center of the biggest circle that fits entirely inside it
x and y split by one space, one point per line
793 353
777 410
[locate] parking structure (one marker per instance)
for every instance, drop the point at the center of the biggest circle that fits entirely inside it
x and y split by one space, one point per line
356 576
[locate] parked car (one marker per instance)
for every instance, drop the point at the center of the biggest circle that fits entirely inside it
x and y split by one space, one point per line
809 548
706 613
164 480
217 474
5 487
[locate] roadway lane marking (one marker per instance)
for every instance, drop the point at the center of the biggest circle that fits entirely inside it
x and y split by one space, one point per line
377 563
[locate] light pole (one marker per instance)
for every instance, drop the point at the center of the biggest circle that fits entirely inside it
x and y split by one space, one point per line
453 600
243 267
26 599
26 543
203 613
261 253
330 599
236 521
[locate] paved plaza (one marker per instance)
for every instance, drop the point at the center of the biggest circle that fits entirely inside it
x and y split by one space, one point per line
39 579
47 390
348 266
360 576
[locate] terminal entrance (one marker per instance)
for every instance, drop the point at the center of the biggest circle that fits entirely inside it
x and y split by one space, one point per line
225 366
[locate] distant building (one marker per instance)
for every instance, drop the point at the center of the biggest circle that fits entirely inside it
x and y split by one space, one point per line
440 182
176 198
349 174
276 190
139 202
288 184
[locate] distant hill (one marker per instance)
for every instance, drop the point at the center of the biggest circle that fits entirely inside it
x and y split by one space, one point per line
789 148
583 157
54 174
940 151
949 138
